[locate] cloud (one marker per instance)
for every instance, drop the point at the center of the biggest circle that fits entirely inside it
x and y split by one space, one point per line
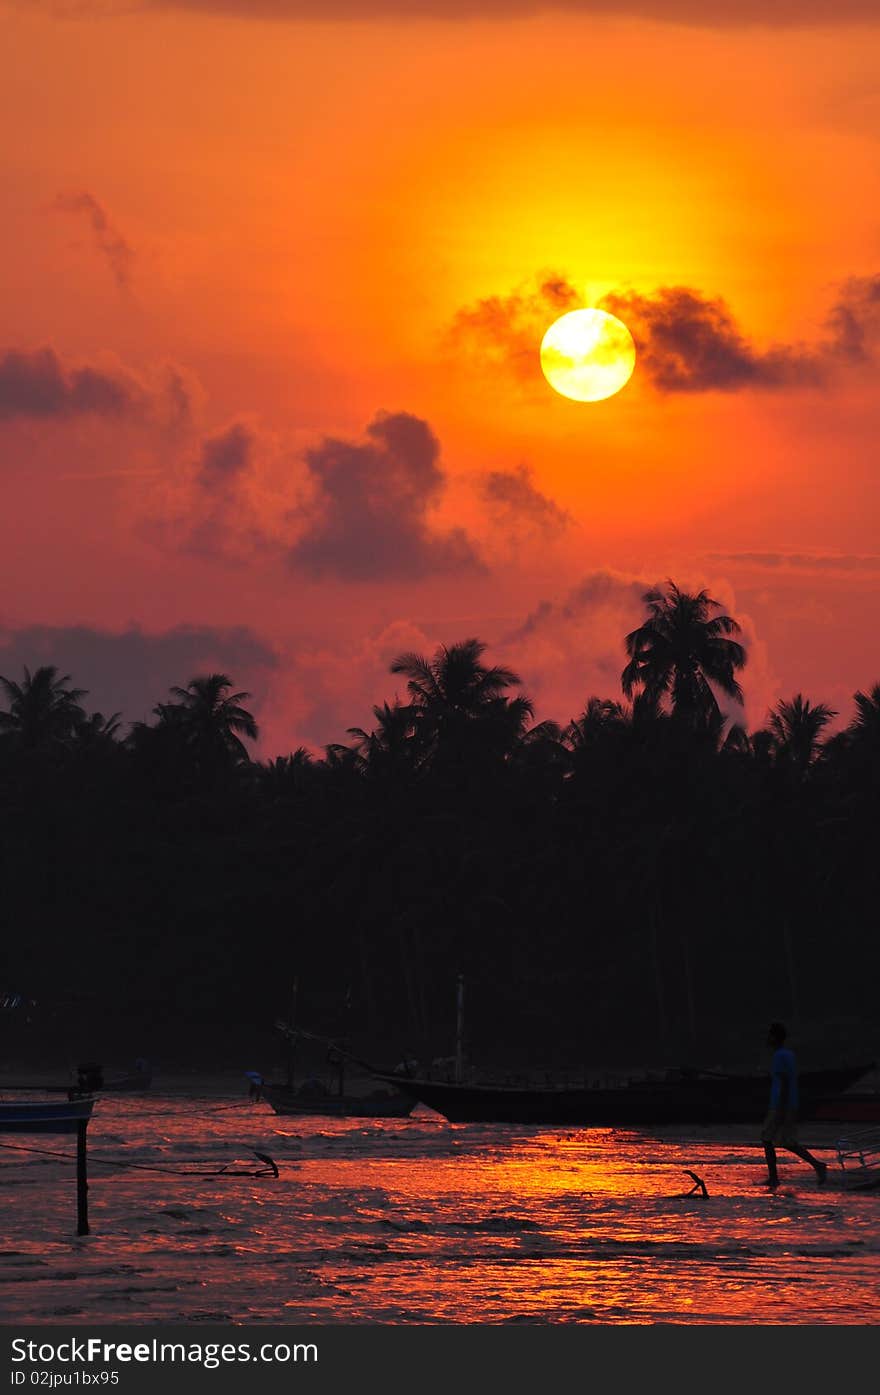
39 385
107 237
686 341
215 504
572 649
509 329
369 517
226 456
130 671
703 13
801 561
854 321
516 502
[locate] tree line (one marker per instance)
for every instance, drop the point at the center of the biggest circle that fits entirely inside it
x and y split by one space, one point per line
650 880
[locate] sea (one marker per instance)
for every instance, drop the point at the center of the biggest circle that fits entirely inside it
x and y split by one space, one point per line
419 1221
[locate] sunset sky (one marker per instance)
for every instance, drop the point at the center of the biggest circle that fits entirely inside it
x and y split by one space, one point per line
274 276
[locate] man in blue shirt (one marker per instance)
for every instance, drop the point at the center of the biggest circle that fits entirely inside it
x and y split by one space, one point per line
780 1126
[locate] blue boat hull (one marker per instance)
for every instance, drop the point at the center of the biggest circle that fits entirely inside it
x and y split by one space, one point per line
42 1116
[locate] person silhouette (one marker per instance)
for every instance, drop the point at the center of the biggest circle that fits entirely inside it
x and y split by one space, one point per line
780 1125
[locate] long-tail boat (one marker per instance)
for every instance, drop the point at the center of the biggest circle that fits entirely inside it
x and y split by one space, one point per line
678 1097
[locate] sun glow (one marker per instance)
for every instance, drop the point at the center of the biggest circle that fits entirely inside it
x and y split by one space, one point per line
588 355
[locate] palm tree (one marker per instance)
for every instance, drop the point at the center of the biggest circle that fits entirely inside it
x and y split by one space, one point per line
600 716
865 726
388 748
210 719
791 744
43 710
795 729
458 703
682 653
96 730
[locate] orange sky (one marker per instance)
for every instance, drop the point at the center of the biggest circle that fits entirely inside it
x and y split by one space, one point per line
244 238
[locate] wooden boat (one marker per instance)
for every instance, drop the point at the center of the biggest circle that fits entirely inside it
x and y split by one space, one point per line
314 1096
853 1107
45 1116
680 1097
311 1098
91 1079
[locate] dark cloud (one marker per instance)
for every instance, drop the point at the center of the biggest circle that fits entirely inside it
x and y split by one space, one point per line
508 329
225 456
39 385
107 237
131 671
854 321
599 591
514 498
687 342
369 520
802 561
703 13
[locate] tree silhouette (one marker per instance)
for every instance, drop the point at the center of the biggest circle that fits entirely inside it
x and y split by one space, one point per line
462 707
43 710
681 653
210 720
650 860
796 728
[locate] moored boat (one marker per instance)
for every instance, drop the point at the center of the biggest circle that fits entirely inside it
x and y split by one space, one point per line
311 1099
45 1116
852 1107
680 1097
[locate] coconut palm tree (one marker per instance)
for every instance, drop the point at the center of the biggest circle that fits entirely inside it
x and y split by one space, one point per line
42 710
795 729
682 653
600 716
210 720
458 703
388 749
865 725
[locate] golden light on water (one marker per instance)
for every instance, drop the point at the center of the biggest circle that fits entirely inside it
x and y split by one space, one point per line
588 355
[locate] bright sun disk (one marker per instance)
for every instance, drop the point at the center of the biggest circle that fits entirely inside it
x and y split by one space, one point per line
588 355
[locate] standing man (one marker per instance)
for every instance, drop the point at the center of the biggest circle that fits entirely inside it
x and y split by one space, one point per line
780 1126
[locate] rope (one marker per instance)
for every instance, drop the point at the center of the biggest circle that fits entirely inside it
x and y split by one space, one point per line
270 1169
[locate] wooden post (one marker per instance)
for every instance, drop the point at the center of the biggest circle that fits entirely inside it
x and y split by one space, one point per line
82 1184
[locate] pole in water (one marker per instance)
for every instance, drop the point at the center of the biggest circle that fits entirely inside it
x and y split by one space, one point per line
82 1183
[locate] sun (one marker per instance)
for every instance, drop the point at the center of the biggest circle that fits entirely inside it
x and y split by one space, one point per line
588 355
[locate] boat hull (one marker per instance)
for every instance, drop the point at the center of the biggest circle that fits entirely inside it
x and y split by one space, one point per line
854 1108
40 1116
692 1099
380 1104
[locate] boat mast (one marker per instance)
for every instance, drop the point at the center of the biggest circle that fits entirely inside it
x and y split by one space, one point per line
459 1031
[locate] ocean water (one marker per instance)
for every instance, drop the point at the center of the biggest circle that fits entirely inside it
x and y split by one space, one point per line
420 1221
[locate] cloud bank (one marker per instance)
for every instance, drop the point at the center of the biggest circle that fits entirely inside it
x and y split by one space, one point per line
711 14
39 385
129 672
686 341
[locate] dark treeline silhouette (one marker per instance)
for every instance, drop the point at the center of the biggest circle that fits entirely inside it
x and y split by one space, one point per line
649 881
